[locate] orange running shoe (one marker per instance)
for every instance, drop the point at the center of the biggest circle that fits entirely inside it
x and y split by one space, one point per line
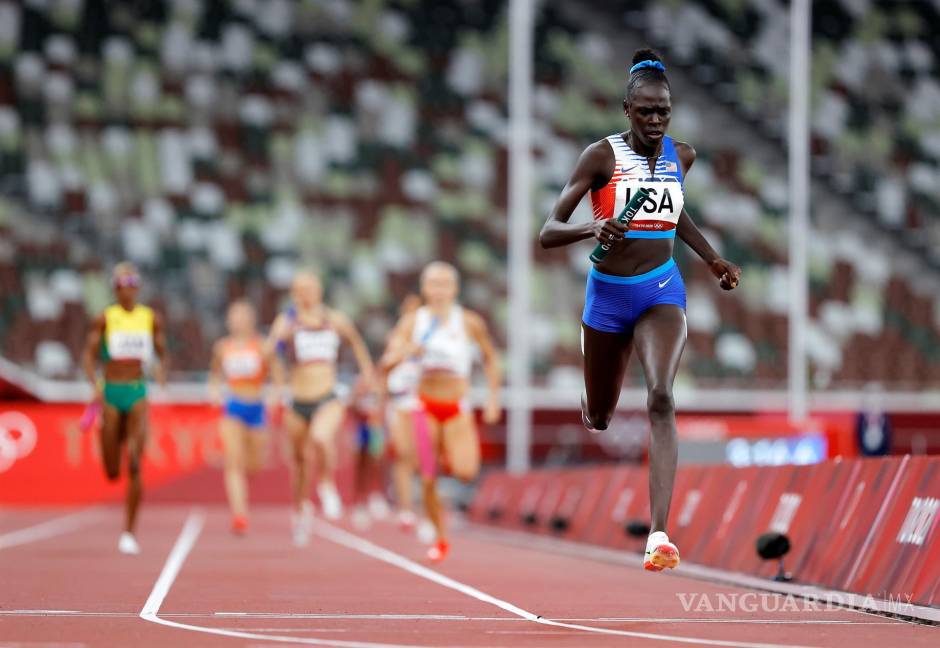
660 553
239 524
438 551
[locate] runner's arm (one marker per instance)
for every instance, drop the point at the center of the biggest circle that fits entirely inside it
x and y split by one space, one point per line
478 330
159 346
399 345
215 375
593 170
727 273
350 333
90 354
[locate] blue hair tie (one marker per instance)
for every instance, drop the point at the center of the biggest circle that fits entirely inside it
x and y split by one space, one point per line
656 65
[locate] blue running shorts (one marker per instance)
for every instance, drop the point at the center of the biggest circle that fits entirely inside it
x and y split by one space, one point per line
614 304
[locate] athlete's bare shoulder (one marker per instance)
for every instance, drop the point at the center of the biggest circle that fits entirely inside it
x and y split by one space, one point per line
686 154
596 163
337 319
473 320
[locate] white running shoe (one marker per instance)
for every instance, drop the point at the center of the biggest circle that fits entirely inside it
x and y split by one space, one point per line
302 523
660 553
426 532
406 521
127 544
330 502
360 518
378 506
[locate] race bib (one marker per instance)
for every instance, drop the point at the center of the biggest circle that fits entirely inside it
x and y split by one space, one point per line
129 345
664 204
242 364
316 346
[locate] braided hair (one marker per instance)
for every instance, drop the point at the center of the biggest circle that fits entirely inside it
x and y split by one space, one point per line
647 68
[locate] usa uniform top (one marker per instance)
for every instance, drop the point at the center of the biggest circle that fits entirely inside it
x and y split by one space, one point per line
658 216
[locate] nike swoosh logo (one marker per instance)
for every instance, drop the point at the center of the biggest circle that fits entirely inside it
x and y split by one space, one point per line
662 284
626 170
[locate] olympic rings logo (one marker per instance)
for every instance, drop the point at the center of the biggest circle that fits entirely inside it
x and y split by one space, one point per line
17 438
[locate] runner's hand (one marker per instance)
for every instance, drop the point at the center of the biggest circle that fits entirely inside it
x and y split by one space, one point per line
492 412
729 275
159 373
610 232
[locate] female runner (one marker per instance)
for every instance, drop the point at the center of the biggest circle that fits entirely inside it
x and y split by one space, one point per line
243 363
635 297
400 384
123 338
441 335
310 335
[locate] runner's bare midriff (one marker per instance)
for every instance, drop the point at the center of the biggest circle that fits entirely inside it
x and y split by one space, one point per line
121 371
443 386
313 381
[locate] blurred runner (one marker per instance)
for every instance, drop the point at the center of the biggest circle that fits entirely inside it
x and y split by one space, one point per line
441 336
242 363
369 499
310 334
123 340
401 398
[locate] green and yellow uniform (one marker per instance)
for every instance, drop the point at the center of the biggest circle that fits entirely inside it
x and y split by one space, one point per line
128 335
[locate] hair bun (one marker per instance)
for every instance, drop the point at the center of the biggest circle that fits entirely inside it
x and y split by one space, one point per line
645 54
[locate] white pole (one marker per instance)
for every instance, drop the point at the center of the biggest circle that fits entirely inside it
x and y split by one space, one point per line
800 17
519 426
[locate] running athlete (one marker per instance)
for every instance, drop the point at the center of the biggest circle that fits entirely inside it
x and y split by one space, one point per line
241 361
441 336
123 339
310 335
369 499
636 297
401 398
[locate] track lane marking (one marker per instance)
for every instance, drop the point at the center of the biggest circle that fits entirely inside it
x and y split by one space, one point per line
429 617
351 541
184 544
49 528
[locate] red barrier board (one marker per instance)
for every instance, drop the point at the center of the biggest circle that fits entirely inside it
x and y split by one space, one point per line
872 487
750 519
871 526
489 502
625 488
723 493
581 491
46 459
904 535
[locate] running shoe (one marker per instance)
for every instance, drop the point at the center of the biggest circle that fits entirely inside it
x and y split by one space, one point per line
406 521
127 544
302 523
378 506
239 524
330 502
439 551
360 518
660 553
425 531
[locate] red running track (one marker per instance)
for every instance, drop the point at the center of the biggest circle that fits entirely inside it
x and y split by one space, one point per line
63 584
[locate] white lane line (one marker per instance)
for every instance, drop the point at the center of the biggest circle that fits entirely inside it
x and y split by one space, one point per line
429 617
49 528
833 600
356 543
171 568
